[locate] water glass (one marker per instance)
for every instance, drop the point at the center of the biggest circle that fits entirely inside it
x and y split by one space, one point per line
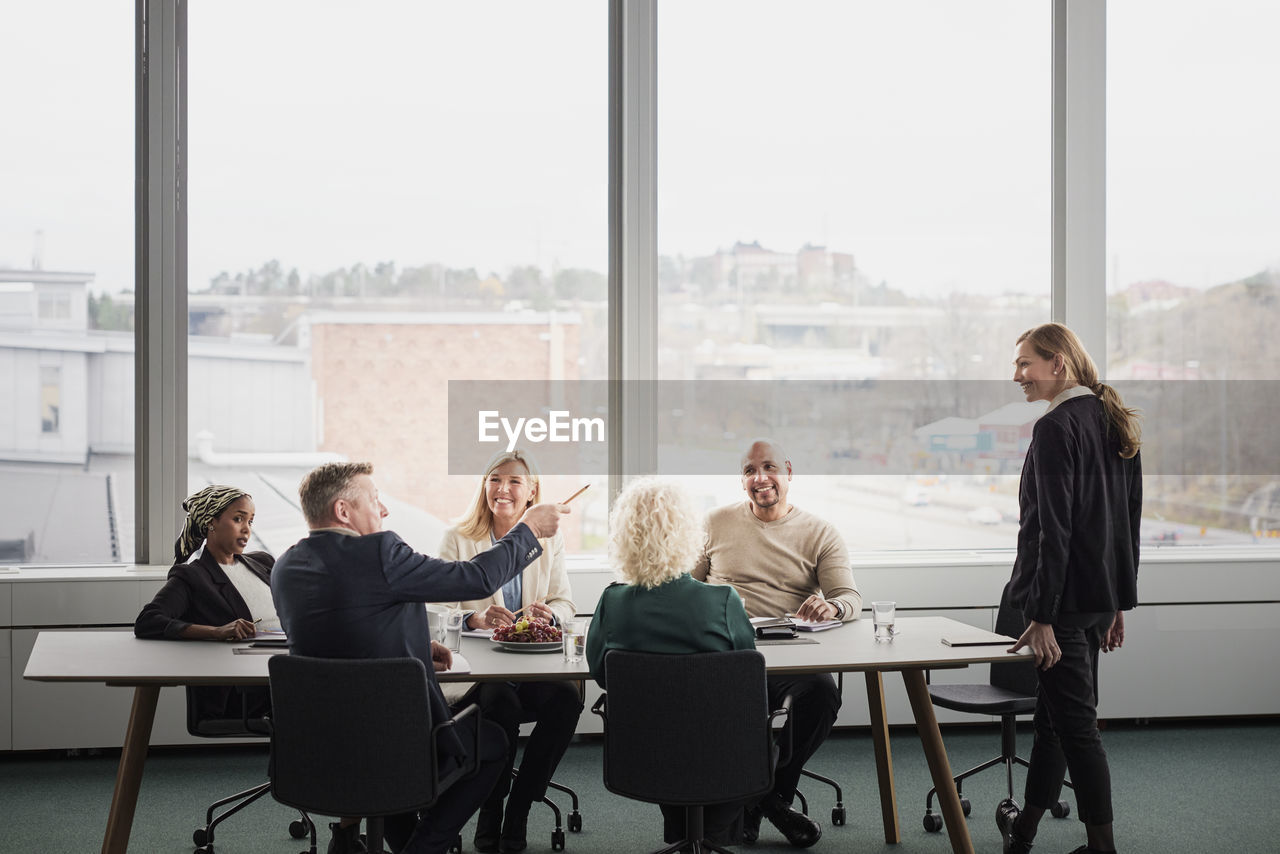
574 633
435 621
882 613
453 630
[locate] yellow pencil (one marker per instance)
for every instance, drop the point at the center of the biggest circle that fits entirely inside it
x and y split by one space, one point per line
575 495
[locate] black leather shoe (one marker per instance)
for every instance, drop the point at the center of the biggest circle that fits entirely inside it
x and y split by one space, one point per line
515 827
800 830
488 829
1007 812
751 824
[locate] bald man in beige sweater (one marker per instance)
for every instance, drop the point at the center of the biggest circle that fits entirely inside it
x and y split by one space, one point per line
783 560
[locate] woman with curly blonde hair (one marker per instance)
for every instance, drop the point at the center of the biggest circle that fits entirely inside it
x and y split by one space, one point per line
655 537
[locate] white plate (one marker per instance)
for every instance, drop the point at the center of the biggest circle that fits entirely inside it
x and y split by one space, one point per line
541 646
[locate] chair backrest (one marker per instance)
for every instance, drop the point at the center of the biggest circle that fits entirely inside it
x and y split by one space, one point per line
351 736
1016 676
687 729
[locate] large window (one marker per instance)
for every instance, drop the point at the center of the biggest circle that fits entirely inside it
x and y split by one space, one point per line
385 198
852 198
1193 246
856 195
66 283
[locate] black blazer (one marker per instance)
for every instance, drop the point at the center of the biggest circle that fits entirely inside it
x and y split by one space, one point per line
341 595
1080 506
200 592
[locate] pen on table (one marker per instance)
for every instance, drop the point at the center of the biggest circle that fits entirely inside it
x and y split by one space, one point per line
575 495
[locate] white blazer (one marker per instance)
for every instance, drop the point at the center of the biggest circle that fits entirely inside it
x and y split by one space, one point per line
545 580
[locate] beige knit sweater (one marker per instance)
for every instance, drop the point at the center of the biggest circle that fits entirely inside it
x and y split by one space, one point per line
775 566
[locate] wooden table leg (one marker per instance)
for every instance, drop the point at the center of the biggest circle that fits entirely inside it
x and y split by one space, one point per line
939 765
884 757
137 736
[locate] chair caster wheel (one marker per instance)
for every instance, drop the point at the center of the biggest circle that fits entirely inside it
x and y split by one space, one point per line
205 849
557 840
837 816
1061 809
575 822
297 828
932 822
200 837
456 847
966 806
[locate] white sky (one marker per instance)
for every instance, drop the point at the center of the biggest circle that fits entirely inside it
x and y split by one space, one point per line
912 134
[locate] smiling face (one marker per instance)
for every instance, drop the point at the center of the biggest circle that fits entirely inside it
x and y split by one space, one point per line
509 490
228 533
766 476
1038 377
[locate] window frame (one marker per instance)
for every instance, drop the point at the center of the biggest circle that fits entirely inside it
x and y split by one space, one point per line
1078 223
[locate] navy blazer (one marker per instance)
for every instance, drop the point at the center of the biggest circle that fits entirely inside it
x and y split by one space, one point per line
340 595
1080 507
200 592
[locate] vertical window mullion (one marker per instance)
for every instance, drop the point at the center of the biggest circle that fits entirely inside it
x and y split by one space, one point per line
1079 171
160 399
633 258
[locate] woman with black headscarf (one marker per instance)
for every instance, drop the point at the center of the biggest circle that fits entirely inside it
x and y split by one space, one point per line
214 591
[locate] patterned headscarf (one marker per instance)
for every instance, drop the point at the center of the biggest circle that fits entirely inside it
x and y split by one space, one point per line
202 508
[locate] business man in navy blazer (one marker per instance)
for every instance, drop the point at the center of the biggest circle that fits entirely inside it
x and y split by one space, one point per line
352 590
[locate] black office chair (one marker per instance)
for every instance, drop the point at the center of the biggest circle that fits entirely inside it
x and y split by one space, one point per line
1011 691
251 723
354 737
574 817
837 811
690 730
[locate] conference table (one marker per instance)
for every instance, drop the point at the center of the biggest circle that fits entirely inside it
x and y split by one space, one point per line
120 659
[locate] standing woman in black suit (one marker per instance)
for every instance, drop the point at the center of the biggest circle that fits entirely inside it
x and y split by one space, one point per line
1076 572
215 591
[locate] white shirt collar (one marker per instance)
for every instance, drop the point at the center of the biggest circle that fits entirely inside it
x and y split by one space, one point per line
1067 394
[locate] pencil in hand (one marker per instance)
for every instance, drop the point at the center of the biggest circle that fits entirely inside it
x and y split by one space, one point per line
575 495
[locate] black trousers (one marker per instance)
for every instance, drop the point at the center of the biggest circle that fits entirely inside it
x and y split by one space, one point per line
1066 726
815 704
721 823
433 830
554 708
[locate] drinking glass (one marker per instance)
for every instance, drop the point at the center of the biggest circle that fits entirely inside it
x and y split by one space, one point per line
882 613
453 630
574 633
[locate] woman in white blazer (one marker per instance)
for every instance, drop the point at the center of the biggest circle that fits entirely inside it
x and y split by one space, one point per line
509 486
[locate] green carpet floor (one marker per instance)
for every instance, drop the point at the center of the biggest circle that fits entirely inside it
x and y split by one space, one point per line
1179 787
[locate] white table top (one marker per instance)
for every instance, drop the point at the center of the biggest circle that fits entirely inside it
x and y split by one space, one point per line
121 659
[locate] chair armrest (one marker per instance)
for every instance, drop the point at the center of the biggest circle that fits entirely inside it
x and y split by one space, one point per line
600 708
472 709
778 720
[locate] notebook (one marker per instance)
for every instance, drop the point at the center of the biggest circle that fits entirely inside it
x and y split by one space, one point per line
977 637
770 628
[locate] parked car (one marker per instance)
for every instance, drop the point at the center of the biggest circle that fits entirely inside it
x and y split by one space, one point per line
915 496
985 516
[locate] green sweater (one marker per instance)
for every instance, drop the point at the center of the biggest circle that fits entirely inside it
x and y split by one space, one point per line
679 616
